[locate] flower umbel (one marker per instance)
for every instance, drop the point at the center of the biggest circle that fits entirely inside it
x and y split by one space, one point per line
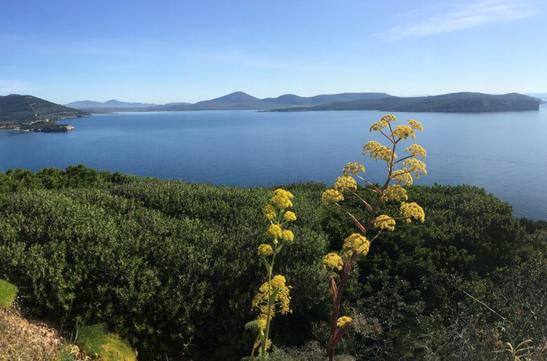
345 183
416 150
334 261
404 132
289 216
403 176
378 151
269 212
343 321
356 244
394 193
416 124
353 168
331 196
412 211
384 222
282 199
287 235
265 250
415 166
280 303
275 231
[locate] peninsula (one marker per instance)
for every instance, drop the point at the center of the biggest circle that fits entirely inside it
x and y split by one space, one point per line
29 113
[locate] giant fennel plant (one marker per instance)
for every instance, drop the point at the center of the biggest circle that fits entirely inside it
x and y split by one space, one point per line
273 296
400 172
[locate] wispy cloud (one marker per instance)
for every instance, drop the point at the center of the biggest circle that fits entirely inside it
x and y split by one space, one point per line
12 86
459 16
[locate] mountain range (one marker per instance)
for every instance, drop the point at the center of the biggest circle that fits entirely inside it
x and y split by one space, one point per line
233 101
31 113
464 102
110 105
453 102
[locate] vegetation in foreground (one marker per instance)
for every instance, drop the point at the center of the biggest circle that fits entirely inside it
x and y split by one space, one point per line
171 268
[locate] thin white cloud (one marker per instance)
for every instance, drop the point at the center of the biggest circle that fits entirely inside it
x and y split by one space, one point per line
13 86
462 15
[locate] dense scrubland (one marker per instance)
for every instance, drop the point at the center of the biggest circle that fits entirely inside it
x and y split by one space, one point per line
172 268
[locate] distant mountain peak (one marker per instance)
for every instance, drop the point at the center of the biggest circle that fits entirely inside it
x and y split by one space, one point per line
238 95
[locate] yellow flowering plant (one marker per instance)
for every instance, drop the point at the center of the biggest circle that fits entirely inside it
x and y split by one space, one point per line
273 296
400 172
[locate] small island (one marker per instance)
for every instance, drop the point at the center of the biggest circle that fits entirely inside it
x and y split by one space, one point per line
31 114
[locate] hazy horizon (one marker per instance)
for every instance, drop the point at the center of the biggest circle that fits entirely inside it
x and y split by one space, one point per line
101 100
169 51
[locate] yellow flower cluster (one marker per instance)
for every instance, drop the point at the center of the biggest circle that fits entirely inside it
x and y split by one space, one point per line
331 196
378 151
416 150
404 131
415 166
416 124
287 235
343 321
384 222
269 212
356 244
265 250
275 231
394 193
344 183
353 168
281 304
411 211
403 176
289 216
379 125
334 261
388 118
282 199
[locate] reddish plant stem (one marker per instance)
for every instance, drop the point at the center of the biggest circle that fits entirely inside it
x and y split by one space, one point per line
336 292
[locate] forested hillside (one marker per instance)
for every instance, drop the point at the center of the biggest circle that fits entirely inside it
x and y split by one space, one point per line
171 266
25 108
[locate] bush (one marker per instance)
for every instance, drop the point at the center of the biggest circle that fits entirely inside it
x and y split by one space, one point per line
95 341
8 292
171 266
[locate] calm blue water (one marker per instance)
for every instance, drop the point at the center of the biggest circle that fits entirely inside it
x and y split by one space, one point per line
504 152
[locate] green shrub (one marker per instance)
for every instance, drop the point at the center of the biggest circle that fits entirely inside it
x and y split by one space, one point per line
8 292
95 341
171 267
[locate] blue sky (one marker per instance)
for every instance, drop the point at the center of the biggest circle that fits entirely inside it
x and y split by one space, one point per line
166 51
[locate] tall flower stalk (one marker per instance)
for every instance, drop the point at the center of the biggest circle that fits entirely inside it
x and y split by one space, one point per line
400 172
273 296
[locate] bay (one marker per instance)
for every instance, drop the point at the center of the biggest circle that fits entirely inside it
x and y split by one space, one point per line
506 153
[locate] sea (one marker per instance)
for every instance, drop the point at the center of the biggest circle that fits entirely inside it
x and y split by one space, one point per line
505 153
